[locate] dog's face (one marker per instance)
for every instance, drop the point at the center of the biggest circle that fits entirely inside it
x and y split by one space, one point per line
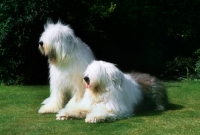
99 76
57 41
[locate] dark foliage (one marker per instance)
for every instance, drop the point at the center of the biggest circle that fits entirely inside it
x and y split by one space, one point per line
136 35
180 67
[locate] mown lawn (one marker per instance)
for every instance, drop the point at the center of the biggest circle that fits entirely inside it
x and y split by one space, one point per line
19 106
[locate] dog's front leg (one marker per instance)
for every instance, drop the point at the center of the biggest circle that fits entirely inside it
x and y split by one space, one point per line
73 110
54 103
100 113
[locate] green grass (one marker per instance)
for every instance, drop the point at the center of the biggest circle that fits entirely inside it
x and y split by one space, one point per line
19 106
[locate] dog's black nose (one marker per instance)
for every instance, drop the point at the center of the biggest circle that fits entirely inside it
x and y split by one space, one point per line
41 43
86 79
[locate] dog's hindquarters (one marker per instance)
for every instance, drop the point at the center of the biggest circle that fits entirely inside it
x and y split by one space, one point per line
154 91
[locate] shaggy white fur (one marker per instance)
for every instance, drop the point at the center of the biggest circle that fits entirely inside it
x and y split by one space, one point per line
68 59
110 95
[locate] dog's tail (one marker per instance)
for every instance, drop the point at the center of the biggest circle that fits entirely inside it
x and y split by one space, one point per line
154 91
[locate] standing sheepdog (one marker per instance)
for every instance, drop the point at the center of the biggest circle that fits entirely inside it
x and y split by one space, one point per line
68 57
111 94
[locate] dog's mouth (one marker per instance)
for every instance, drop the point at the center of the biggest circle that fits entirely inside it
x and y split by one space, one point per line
87 81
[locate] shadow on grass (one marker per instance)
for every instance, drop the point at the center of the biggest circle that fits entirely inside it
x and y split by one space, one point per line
154 113
174 107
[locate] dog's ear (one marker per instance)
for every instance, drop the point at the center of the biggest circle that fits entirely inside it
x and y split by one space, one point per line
117 80
115 75
68 44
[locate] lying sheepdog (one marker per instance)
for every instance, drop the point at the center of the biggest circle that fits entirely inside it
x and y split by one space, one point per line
111 94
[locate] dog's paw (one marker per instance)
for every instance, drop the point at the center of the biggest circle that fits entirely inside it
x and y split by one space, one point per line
65 117
62 118
94 119
48 109
62 115
160 108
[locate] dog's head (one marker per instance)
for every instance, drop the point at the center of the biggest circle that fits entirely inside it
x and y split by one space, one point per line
100 76
57 41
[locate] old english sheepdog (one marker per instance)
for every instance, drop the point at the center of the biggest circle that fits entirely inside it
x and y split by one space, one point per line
68 57
111 94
